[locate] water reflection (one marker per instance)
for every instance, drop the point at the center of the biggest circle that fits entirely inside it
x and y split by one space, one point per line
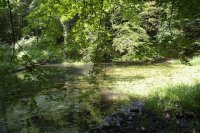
53 99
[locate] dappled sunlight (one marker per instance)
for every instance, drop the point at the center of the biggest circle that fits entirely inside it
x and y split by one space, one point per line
99 66
26 42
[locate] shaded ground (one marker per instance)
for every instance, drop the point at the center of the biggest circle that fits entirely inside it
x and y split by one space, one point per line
136 118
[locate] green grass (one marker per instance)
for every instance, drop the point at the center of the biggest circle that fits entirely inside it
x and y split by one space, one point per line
195 61
142 79
192 62
178 102
177 98
170 87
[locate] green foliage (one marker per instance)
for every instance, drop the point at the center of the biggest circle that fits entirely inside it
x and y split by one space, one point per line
119 30
104 30
42 51
129 39
9 61
5 33
127 31
183 8
88 22
151 18
134 40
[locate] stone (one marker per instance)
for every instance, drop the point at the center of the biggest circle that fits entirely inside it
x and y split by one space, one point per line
143 129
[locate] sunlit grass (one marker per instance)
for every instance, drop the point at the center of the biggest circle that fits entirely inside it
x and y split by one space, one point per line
195 61
140 80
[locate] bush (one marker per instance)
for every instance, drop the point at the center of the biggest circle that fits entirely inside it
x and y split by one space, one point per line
8 59
42 51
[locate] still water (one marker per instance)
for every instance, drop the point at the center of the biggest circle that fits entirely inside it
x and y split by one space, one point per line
52 99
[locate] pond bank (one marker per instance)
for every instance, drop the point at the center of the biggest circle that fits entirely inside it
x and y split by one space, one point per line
136 118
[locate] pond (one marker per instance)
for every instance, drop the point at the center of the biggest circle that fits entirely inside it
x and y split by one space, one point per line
54 98
60 98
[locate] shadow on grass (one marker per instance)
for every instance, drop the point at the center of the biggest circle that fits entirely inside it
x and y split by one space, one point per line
176 98
180 102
